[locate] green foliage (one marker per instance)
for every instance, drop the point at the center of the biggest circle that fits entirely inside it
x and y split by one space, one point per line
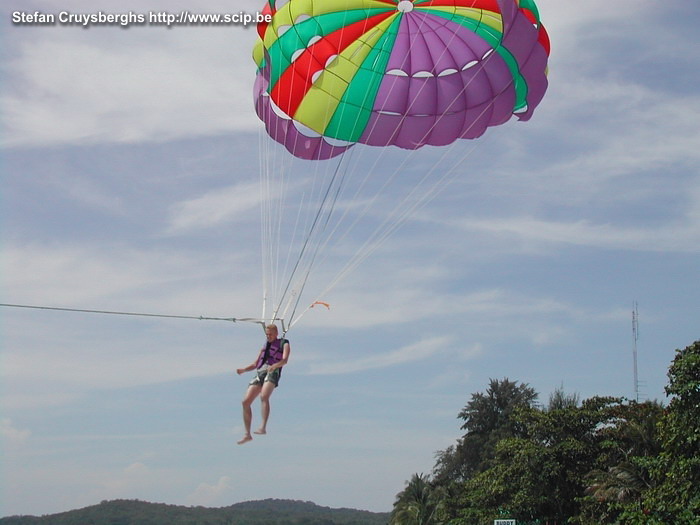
487 420
675 496
540 473
267 512
604 460
560 399
418 504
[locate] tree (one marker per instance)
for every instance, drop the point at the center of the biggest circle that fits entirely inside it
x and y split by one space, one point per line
619 484
544 468
515 486
675 498
560 399
417 504
604 460
630 446
541 472
681 427
487 420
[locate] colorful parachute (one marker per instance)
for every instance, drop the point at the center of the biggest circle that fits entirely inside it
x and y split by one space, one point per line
332 73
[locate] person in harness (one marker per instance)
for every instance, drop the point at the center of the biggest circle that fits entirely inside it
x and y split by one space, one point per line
268 365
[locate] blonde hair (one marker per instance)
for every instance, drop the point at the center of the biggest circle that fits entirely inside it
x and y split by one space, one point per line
272 327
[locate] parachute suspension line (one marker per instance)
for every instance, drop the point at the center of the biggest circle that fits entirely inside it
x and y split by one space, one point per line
322 240
315 186
386 44
321 236
318 238
270 190
279 191
378 158
325 209
316 235
401 213
267 230
276 290
311 237
273 187
394 222
315 206
263 160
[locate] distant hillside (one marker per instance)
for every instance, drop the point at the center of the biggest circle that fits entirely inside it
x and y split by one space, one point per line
265 512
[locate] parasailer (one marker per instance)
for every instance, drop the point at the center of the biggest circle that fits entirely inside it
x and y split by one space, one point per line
268 370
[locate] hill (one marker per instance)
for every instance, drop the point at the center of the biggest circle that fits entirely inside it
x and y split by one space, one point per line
264 512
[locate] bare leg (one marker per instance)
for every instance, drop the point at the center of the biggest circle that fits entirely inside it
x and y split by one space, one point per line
251 394
265 394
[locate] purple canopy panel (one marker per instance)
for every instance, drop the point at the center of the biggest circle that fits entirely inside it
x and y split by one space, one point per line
409 52
533 71
449 130
503 97
381 129
392 95
476 120
413 131
452 95
422 96
444 95
521 39
430 43
509 12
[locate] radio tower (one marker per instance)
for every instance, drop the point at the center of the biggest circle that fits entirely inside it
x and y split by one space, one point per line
635 336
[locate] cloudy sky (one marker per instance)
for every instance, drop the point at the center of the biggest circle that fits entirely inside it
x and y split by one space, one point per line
130 166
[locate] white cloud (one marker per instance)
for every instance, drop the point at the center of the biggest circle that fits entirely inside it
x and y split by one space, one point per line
634 116
78 275
211 494
136 469
128 481
216 207
68 85
419 351
684 237
568 22
12 435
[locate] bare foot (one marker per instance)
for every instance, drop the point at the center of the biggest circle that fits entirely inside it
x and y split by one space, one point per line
245 439
260 432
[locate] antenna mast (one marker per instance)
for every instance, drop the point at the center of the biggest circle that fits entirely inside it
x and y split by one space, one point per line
635 337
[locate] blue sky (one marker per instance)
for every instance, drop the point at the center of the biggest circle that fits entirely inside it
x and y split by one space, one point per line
130 183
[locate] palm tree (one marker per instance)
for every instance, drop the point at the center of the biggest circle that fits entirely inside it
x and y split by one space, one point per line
560 400
638 439
417 504
621 484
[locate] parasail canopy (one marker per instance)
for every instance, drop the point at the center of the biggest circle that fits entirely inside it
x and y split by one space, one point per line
332 73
